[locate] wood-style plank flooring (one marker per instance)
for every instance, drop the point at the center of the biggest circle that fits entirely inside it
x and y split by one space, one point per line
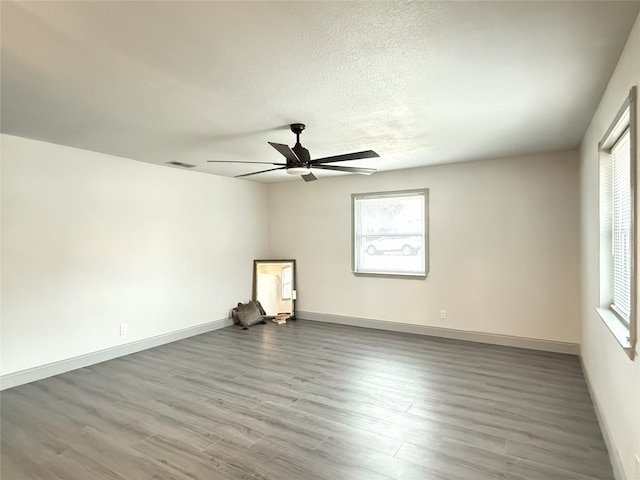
308 401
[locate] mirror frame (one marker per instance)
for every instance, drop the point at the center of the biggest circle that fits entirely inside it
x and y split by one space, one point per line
295 280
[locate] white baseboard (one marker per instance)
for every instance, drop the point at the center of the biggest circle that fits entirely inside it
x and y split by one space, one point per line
614 456
494 339
38 373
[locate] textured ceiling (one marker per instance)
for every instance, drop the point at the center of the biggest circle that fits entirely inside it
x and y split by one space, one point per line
421 83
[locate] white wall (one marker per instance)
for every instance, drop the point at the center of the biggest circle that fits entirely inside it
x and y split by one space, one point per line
504 256
615 380
90 241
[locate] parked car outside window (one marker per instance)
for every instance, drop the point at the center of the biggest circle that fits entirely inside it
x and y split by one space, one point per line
404 244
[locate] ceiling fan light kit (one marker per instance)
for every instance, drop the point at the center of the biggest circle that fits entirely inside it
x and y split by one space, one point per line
298 170
299 160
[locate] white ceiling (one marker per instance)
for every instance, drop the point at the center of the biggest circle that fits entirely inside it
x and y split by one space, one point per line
420 83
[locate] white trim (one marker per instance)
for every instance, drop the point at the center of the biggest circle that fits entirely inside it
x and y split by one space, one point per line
614 455
618 329
11 380
466 335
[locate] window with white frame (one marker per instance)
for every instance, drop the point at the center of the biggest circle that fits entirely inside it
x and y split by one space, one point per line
390 233
286 283
617 152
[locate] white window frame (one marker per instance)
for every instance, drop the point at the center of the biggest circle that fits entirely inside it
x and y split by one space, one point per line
618 283
287 283
356 237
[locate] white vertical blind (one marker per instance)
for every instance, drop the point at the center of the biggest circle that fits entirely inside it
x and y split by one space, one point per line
621 225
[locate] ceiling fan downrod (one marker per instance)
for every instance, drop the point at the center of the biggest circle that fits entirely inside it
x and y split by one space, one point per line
297 128
302 154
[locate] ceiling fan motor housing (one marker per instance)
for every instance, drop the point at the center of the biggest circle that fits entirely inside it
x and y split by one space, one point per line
302 153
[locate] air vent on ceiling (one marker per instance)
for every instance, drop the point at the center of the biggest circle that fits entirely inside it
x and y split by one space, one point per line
180 164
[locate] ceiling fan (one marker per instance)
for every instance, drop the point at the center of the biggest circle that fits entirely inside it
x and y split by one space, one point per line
299 160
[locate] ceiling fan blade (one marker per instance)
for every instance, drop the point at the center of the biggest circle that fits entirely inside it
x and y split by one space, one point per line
261 171
345 157
238 161
363 171
286 151
309 177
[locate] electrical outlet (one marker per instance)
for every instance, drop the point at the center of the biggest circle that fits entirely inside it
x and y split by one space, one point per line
443 314
124 328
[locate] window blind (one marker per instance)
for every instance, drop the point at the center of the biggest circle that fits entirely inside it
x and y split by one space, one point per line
621 226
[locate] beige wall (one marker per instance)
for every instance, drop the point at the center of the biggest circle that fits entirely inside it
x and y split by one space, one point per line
90 241
615 380
503 247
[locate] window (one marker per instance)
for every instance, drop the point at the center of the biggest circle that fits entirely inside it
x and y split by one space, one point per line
390 233
286 283
617 152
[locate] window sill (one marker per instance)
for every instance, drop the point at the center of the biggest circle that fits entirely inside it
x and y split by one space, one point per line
618 329
419 276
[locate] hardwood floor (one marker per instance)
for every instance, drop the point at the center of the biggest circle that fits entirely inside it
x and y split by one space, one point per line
308 401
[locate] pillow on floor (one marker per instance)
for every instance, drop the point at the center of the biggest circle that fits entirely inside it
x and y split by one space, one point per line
259 305
247 314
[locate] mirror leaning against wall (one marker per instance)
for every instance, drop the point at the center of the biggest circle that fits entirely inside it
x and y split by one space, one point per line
274 286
